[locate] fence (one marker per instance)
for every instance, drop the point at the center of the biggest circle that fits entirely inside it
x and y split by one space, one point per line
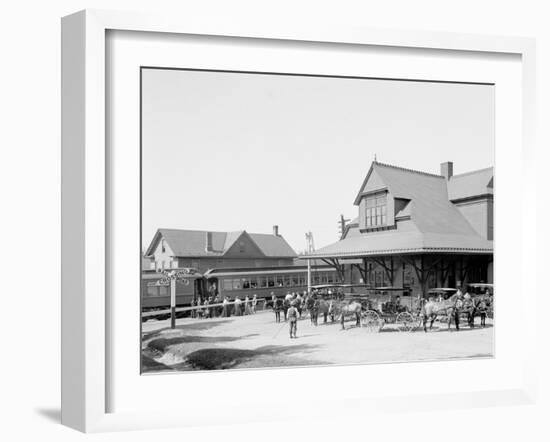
261 305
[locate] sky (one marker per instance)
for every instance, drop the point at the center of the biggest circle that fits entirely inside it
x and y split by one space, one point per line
233 151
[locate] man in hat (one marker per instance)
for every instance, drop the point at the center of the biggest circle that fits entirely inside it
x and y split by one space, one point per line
293 314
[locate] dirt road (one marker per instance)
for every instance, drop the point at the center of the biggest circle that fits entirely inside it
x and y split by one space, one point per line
258 341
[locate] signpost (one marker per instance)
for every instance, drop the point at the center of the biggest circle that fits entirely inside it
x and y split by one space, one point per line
170 278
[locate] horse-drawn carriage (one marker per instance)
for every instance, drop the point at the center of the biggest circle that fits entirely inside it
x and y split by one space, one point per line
446 304
377 307
394 306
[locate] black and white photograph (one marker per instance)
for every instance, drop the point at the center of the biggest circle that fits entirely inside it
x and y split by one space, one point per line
299 220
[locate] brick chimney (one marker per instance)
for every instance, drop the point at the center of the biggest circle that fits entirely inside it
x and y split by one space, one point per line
208 242
447 169
276 230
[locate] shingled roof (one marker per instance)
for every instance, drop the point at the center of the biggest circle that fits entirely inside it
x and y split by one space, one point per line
191 243
437 224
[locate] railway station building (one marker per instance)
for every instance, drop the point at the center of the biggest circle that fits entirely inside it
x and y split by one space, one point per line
204 250
417 230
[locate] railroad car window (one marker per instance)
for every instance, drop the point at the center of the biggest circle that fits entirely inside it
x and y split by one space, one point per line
253 283
295 280
246 283
288 281
303 280
227 284
263 281
236 284
152 291
163 290
270 281
280 282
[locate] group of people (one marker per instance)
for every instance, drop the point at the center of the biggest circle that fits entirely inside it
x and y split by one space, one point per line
292 306
215 306
283 304
471 306
465 303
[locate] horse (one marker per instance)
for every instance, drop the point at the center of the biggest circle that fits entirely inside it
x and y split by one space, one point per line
481 304
325 310
432 309
342 309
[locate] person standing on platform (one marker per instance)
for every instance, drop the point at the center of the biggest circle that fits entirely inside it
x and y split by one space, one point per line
238 311
246 305
193 312
225 307
293 320
254 303
276 308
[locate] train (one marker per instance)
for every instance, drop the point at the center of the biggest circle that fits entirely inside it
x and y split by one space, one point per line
232 282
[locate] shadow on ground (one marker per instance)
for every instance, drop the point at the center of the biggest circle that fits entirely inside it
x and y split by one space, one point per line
267 356
195 326
231 358
161 344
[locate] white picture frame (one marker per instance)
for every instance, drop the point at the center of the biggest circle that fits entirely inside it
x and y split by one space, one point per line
86 202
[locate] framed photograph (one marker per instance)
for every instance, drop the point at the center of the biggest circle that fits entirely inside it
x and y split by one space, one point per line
250 209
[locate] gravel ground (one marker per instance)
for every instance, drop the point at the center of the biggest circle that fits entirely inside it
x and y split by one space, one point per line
258 341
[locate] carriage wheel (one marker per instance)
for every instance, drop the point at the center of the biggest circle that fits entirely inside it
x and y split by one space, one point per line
371 321
405 322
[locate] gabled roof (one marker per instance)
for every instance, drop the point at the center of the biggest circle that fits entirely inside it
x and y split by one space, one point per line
192 243
471 184
429 207
437 224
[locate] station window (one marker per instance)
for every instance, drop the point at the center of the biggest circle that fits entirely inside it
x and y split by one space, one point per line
375 212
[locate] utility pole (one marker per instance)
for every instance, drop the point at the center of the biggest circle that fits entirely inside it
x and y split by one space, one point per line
310 249
342 225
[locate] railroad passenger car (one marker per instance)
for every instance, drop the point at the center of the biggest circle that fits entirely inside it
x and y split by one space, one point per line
156 295
263 282
241 282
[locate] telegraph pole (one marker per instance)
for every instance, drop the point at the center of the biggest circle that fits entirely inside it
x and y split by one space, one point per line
342 225
310 249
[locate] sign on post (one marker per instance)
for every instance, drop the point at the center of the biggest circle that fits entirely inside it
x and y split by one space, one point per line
170 278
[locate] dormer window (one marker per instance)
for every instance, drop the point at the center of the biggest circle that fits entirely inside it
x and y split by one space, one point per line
375 210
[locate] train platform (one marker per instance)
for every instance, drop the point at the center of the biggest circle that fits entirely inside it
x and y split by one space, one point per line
257 341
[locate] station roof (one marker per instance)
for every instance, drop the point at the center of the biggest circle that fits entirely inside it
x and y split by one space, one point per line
437 225
471 184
